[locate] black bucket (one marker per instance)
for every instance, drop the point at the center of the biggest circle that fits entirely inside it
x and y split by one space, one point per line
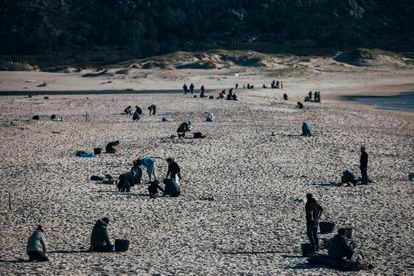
121 245
97 151
307 250
326 227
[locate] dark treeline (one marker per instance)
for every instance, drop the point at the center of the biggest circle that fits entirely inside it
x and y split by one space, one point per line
143 27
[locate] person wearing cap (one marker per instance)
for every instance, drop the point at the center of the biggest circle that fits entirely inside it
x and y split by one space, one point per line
340 246
363 165
36 246
313 213
99 239
149 164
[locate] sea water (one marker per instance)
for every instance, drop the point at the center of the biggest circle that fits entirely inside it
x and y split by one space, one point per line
402 102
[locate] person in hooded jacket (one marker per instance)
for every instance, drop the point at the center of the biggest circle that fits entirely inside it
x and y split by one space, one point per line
99 239
36 246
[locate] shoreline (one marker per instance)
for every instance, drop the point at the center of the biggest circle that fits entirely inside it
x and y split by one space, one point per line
87 92
369 100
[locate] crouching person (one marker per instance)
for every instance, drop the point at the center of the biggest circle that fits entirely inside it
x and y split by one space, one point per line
126 181
154 187
340 246
36 246
171 187
99 239
136 172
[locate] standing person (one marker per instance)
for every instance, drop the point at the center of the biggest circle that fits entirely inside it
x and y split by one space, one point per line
313 213
363 165
202 91
152 109
174 170
192 88
149 164
99 239
281 84
36 246
310 95
185 88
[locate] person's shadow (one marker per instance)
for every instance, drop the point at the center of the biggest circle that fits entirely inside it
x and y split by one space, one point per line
19 260
69 251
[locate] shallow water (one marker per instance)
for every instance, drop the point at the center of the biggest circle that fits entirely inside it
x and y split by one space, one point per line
402 102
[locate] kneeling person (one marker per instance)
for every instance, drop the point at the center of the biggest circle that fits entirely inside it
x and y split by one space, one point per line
36 247
99 239
340 246
126 181
171 187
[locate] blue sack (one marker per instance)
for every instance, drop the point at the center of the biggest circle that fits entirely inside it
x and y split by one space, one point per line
84 154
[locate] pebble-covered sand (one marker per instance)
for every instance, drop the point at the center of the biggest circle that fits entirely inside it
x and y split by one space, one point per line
241 211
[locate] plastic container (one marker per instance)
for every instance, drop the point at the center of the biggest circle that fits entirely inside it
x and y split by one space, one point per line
121 245
326 227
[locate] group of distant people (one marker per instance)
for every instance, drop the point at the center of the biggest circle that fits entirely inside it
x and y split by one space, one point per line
134 176
136 115
276 84
316 97
231 95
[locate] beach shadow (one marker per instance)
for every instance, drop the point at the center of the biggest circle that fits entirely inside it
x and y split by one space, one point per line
293 256
303 266
323 184
121 193
69 251
15 261
249 252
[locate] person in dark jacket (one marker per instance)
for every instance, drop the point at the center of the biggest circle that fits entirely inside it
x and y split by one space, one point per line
99 239
174 170
183 128
192 88
128 110
363 165
36 246
110 147
185 89
126 181
136 172
340 246
152 109
307 129
313 213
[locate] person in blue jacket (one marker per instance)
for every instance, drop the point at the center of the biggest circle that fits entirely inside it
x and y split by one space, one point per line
149 164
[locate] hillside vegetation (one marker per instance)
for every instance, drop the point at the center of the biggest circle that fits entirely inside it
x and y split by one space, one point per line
142 28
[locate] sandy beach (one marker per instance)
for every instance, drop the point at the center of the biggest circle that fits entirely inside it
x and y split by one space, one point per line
241 211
